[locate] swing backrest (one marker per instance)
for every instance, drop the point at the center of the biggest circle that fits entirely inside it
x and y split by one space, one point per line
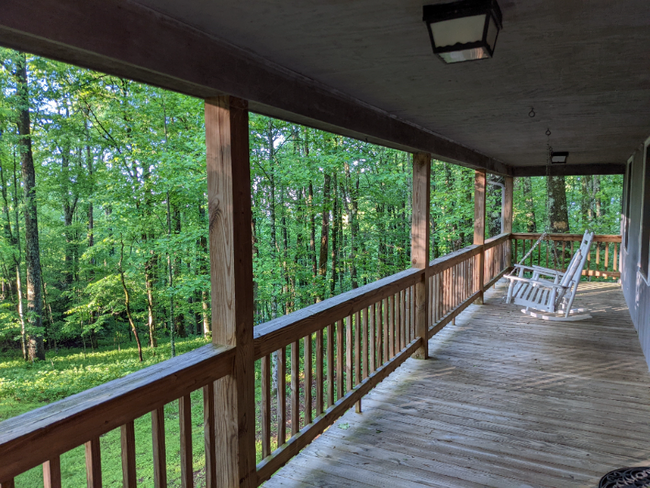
574 270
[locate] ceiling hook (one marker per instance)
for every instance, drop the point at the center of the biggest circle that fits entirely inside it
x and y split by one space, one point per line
532 113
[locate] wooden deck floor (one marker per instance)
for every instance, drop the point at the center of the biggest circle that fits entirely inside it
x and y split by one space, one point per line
506 401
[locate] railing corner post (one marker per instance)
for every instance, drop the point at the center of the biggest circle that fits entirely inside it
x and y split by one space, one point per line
479 228
420 246
507 216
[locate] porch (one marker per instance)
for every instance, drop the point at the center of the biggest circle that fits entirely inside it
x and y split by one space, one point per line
505 400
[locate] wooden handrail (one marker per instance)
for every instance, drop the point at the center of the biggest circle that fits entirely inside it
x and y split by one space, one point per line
567 237
496 240
448 260
280 332
35 437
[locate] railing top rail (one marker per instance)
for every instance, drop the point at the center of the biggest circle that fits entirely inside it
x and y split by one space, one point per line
448 260
496 240
568 237
280 332
32 438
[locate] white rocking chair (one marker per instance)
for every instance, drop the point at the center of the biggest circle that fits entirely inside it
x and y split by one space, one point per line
549 291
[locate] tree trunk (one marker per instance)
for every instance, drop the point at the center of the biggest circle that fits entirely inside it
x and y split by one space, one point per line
36 349
127 303
148 280
205 296
179 318
312 230
558 219
324 236
172 340
336 223
529 204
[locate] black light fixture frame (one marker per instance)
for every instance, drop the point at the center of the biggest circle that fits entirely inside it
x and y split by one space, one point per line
564 154
460 9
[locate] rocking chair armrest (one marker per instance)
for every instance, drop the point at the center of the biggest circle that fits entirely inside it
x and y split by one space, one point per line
542 283
523 266
548 271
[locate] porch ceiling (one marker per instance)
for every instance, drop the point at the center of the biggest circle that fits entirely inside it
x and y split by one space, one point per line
577 63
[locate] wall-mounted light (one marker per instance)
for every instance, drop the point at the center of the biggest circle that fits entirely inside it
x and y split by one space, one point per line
559 157
463 31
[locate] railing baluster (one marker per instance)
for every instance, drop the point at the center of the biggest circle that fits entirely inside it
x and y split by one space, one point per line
7 484
357 356
159 453
282 396
390 345
364 342
127 441
439 299
402 319
307 363
319 372
295 388
209 436
266 406
615 264
372 338
607 256
339 359
93 463
516 256
349 343
384 330
597 256
330 365
52 473
185 420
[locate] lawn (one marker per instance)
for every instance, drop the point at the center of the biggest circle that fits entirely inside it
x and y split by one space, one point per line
25 386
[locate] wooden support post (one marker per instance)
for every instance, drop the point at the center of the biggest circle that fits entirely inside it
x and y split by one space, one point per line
479 227
506 215
231 278
420 246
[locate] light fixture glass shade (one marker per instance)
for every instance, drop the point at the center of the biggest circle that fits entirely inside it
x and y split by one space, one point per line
458 31
465 55
464 30
559 157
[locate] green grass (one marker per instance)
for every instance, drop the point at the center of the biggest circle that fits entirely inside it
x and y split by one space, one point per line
25 386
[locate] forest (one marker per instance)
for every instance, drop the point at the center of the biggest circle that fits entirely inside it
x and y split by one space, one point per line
104 217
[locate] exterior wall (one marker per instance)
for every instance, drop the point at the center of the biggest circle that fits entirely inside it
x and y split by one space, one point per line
635 287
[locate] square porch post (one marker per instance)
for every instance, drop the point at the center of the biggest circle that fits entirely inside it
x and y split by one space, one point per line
507 216
231 278
479 227
420 229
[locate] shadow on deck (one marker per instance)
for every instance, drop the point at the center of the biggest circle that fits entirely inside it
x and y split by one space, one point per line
505 401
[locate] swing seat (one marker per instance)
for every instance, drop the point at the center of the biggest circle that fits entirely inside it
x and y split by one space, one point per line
550 293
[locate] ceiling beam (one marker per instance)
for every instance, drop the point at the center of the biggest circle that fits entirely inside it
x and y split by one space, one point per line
570 170
128 40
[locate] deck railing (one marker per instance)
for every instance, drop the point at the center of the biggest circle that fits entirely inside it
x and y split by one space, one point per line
603 259
335 352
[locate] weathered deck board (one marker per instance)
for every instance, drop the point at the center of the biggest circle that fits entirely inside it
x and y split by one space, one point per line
505 401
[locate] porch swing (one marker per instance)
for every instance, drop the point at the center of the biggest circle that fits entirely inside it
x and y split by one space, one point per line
549 292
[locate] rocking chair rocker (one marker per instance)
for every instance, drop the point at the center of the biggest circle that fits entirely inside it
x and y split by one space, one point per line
548 291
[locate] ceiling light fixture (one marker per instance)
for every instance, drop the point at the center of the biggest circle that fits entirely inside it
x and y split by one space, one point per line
559 157
465 30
